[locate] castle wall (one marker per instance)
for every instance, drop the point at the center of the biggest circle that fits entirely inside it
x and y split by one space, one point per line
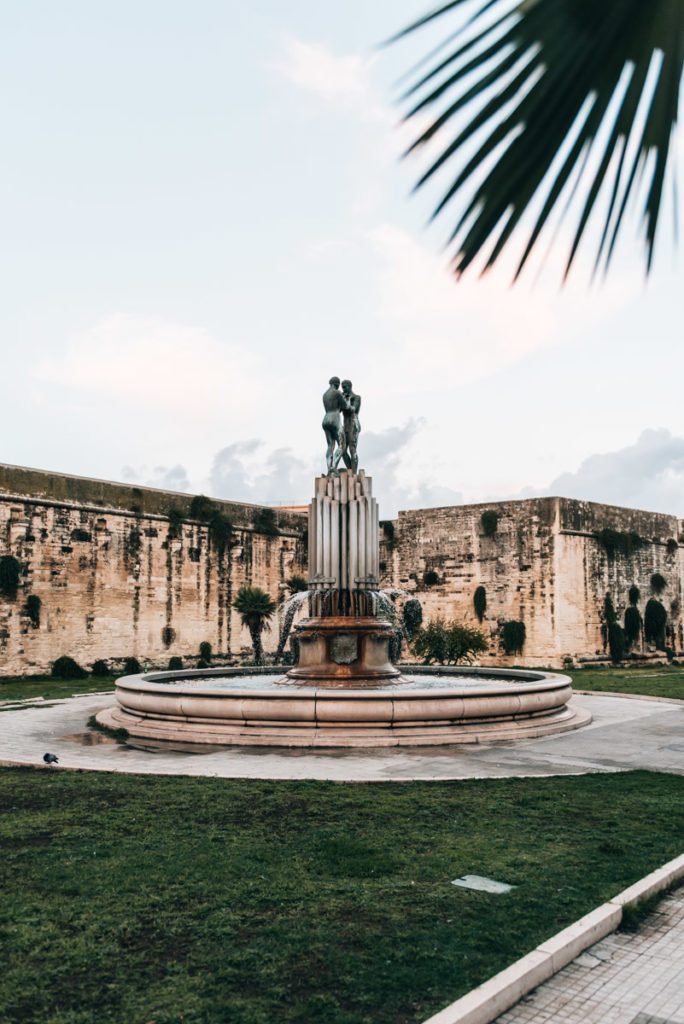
544 566
115 582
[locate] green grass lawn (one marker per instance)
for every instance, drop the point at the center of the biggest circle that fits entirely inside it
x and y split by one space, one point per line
659 681
209 901
19 688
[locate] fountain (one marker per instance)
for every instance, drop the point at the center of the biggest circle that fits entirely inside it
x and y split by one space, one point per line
343 690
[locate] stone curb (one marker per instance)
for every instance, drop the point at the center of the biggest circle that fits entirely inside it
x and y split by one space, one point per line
484 1003
627 696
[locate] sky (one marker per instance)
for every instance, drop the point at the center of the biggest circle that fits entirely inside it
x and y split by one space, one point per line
204 215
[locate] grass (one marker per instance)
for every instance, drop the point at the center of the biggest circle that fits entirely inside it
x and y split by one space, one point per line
207 901
21 688
659 681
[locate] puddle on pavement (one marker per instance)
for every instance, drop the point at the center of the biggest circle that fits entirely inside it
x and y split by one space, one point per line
89 739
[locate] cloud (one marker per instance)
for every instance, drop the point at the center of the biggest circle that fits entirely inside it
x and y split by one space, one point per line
156 363
315 68
174 478
646 475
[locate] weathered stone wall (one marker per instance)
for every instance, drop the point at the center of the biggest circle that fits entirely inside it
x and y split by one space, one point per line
544 566
115 578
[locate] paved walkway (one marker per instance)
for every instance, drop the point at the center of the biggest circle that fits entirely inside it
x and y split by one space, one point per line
624 979
624 734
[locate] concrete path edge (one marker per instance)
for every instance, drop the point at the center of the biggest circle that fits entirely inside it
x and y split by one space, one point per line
486 1002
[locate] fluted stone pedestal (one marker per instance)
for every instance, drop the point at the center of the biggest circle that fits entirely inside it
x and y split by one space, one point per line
344 643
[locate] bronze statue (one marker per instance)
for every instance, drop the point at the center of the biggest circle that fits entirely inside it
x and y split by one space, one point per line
352 427
334 403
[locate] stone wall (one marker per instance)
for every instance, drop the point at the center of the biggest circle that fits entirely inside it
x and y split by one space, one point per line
116 578
543 566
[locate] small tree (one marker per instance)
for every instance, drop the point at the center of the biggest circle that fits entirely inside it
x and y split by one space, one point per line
412 616
658 583
655 619
609 610
256 608
634 594
66 668
616 642
632 625
513 636
132 667
480 602
297 584
489 521
430 578
175 664
9 576
33 609
100 669
205 651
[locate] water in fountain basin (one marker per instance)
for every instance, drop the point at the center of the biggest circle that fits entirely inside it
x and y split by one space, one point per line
275 683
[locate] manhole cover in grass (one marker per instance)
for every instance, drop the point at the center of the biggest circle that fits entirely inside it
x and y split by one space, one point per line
482 884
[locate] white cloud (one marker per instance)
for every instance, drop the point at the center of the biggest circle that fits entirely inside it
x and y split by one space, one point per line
315 68
173 478
156 363
648 474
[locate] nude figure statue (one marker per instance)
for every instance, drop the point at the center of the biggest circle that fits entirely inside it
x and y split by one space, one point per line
334 404
352 427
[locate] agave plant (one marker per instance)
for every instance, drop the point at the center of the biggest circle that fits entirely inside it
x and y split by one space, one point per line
578 94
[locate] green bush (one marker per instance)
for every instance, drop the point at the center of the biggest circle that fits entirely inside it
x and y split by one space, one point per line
176 520
655 620
412 616
672 546
632 624
513 636
201 507
203 663
448 642
175 664
297 584
67 668
220 530
634 594
9 576
132 667
33 609
205 651
100 669
265 522
430 578
609 610
618 542
616 642
480 602
489 521
658 583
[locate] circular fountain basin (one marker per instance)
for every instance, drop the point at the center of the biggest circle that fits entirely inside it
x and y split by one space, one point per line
209 708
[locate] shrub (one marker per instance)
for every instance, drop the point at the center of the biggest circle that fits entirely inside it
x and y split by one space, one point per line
616 642
9 576
175 664
480 602
203 663
655 619
33 609
672 546
448 642
176 520
609 610
513 636
205 652
617 542
265 522
297 584
489 521
201 507
634 594
412 616
67 668
220 530
132 667
658 583
632 624
430 578
100 669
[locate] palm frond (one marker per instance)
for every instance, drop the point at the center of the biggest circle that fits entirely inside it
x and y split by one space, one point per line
568 90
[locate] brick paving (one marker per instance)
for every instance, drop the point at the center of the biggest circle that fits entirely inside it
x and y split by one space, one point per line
626 978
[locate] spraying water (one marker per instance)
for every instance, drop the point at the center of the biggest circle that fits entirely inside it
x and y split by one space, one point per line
289 610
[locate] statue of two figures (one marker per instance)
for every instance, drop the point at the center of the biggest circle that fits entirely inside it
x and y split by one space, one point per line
341 425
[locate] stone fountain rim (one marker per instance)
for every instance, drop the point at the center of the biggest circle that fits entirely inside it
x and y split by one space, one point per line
165 682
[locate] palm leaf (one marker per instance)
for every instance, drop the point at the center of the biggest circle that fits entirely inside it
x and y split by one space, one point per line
582 91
